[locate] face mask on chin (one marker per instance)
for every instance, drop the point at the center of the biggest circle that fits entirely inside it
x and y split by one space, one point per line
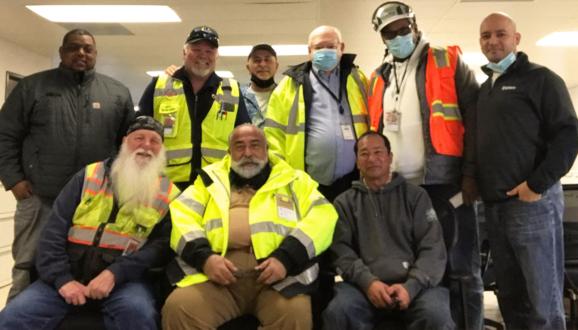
262 83
504 64
325 59
401 47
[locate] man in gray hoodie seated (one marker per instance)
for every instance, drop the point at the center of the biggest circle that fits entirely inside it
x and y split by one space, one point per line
388 247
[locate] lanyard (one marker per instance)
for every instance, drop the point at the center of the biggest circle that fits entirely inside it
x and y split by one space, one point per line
337 98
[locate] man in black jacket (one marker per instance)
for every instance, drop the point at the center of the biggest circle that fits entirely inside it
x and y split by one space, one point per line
527 139
52 124
105 231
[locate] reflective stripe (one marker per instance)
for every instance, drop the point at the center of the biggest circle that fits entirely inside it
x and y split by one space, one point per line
227 95
169 89
307 277
188 270
317 202
292 126
295 200
161 203
306 241
355 75
192 204
441 57
213 224
359 119
109 239
189 237
273 124
215 153
448 111
270 227
179 153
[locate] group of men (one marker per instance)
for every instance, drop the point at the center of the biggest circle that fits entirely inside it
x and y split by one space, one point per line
249 212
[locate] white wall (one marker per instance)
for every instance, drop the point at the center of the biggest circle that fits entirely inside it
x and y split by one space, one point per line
24 62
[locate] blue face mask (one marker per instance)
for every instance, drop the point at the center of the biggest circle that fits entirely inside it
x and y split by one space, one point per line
401 47
503 65
325 59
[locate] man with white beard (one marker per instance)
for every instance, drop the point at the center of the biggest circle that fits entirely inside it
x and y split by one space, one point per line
247 235
197 108
106 229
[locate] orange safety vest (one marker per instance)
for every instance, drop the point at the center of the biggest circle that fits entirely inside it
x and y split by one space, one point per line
445 121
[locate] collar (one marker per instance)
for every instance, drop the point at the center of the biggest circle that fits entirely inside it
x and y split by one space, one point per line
212 83
255 182
521 60
78 77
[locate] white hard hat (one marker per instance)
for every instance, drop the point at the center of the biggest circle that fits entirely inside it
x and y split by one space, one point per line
390 11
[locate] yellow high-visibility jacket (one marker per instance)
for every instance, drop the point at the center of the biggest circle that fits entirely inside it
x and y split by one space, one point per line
287 207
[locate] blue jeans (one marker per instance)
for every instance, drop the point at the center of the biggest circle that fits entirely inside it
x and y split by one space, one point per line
130 306
463 261
526 241
350 309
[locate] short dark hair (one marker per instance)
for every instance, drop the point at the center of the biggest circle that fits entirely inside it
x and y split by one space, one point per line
78 32
373 133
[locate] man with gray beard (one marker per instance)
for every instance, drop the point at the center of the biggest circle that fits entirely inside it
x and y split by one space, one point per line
247 235
106 229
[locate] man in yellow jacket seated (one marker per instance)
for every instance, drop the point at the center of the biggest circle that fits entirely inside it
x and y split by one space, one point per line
246 236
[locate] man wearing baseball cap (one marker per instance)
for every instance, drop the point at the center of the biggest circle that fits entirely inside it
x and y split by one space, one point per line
262 65
106 229
421 98
197 108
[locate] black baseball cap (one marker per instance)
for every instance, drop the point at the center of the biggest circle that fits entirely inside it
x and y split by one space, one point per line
145 122
203 32
265 47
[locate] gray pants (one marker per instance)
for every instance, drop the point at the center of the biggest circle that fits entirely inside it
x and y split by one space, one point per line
31 215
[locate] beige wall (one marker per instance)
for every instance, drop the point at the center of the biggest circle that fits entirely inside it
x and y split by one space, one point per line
24 62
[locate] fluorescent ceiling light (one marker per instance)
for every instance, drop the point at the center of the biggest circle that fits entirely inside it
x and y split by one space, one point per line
222 74
106 14
559 39
281 50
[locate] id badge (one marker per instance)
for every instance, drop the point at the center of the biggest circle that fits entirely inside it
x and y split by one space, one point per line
169 125
347 132
393 121
130 247
285 208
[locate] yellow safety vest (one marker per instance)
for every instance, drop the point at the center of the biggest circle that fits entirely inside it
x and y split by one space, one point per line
130 229
171 109
285 122
288 204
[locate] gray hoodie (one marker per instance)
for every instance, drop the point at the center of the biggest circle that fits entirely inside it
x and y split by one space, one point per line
392 235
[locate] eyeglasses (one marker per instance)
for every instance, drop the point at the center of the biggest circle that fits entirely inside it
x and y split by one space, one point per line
388 35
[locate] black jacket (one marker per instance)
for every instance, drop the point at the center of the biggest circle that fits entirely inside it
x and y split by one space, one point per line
57 121
526 130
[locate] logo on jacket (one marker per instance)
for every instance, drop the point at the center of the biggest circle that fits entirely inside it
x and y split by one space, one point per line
508 88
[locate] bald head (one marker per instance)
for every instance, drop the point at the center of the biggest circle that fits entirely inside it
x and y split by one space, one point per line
498 36
328 30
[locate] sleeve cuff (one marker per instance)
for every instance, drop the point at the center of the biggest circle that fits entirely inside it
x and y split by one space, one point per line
119 278
285 259
61 280
365 280
413 287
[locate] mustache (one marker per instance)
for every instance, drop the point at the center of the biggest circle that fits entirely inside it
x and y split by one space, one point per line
141 151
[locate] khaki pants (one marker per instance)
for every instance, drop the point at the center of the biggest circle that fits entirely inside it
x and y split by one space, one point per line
208 305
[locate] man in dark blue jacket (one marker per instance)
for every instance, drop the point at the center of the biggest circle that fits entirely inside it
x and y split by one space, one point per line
106 229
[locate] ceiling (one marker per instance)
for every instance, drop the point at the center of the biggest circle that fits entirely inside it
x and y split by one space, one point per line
145 47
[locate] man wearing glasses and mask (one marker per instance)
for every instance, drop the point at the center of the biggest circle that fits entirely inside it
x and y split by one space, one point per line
420 98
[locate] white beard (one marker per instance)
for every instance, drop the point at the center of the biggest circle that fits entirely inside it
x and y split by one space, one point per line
135 178
247 167
201 70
